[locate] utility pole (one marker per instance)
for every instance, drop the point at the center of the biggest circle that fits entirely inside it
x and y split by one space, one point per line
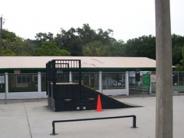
164 90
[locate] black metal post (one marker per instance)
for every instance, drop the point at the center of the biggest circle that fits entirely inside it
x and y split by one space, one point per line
80 73
53 128
134 121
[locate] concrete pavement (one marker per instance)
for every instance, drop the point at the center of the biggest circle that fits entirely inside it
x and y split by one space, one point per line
32 119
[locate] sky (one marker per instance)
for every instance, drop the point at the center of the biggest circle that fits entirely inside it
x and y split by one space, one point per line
127 18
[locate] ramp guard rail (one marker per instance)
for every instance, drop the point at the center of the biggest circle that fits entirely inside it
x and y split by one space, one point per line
89 119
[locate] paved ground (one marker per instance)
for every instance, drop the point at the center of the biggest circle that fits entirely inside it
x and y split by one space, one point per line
33 120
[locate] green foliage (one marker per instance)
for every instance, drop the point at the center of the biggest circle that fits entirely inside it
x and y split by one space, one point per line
141 47
7 52
47 46
85 41
13 45
180 66
50 49
178 44
75 39
95 48
117 48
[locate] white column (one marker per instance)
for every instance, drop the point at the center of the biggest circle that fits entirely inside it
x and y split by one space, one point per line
70 77
127 82
39 82
150 87
100 82
6 86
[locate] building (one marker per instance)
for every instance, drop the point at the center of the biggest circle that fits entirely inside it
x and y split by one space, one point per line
24 76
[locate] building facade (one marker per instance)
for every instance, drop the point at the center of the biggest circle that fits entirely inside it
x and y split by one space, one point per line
24 77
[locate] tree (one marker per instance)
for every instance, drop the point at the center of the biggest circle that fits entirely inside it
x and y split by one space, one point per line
50 49
86 41
96 48
180 65
117 48
45 45
141 47
178 44
13 45
75 39
44 37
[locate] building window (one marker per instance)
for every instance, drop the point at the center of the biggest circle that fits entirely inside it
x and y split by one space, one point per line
113 80
23 82
2 83
89 79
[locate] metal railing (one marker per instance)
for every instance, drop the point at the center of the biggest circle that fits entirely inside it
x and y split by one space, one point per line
90 119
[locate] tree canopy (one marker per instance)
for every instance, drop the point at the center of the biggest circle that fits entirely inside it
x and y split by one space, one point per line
85 41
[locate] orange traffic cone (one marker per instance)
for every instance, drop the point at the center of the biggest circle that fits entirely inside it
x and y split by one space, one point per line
99 104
